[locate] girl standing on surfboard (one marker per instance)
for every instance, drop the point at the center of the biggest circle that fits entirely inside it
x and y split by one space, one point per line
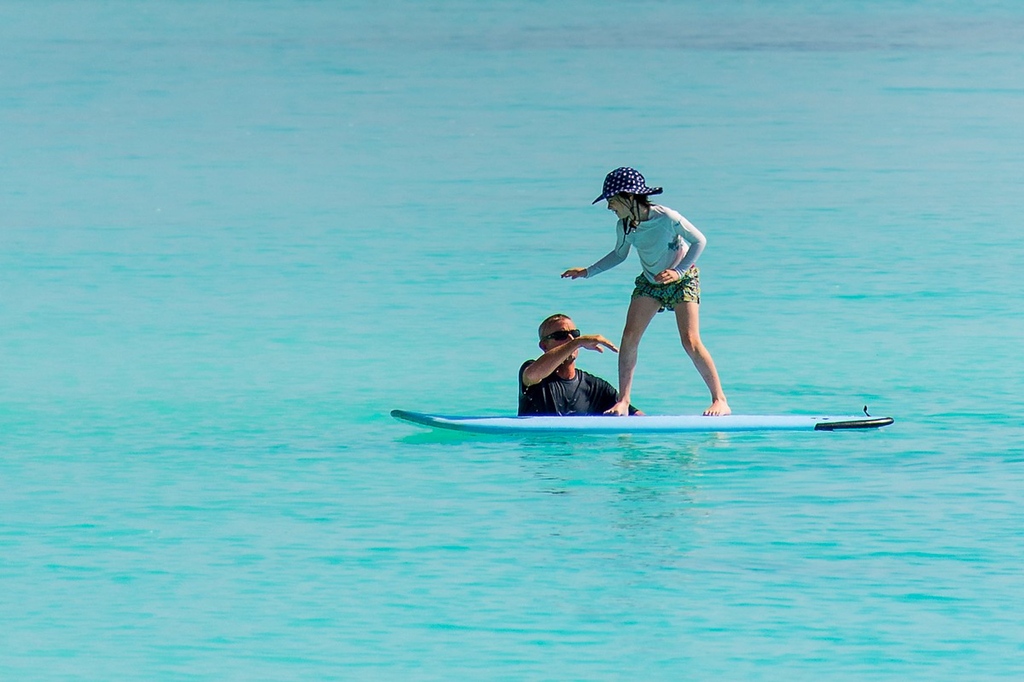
668 246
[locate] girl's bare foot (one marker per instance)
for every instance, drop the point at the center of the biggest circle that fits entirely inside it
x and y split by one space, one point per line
719 408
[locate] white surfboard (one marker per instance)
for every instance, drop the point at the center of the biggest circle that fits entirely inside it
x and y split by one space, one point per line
642 424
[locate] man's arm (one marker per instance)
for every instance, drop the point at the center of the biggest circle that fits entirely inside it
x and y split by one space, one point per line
543 366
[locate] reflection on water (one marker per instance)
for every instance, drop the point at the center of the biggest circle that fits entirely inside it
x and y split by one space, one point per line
656 482
637 483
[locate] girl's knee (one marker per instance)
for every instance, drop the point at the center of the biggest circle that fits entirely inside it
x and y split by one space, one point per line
691 344
632 336
629 343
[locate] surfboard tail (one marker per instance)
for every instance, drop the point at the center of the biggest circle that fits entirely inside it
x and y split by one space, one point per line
872 423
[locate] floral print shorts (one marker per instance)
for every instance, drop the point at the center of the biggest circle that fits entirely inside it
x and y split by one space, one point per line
668 295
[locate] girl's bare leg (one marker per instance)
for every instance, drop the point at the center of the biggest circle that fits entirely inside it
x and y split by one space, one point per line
641 311
688 321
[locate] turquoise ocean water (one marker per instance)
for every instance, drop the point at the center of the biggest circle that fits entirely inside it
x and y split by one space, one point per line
233 236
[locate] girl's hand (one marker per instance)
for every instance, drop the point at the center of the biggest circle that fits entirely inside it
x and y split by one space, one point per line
573 273
666 276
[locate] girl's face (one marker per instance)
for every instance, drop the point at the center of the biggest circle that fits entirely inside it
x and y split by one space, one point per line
618 205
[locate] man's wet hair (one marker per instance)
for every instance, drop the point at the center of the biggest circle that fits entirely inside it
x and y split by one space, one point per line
548 320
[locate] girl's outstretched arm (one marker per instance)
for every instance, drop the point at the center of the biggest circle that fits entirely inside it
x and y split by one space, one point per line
610 260
614 257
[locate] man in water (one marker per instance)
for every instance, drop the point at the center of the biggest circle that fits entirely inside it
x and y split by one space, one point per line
551 384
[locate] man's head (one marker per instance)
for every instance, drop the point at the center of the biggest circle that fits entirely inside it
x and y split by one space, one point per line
556 330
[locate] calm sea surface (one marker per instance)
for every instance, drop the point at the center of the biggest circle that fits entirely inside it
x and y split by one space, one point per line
233 236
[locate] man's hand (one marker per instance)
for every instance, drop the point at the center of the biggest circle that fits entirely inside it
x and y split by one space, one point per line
596 342
573 273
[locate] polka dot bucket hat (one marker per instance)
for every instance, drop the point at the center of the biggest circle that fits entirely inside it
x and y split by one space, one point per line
627 180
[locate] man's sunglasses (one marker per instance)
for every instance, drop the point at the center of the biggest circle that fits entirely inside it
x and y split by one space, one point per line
562 335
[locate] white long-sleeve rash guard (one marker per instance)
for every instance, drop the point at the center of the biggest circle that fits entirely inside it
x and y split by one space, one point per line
665 240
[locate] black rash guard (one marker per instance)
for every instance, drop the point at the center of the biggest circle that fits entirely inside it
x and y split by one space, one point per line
585 394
